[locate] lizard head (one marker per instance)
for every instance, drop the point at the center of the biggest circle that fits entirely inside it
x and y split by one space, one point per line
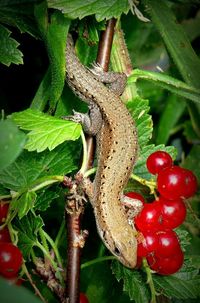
123 245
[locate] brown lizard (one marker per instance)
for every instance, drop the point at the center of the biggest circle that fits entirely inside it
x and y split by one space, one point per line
116 138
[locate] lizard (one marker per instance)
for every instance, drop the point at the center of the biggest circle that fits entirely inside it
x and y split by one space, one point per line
117 146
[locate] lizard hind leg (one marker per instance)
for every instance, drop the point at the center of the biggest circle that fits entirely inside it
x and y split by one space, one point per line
116 80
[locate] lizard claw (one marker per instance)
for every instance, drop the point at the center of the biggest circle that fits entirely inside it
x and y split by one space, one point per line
76 117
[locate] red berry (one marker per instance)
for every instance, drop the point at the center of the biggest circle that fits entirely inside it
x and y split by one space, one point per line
170 182
168 243
149 218
173 212
190 185
4 235
136 196
10 260
149 243
176 182
157 161
83 298
166 266
3 211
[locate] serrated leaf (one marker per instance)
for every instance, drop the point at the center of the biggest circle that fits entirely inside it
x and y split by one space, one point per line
80 9
140 168
12 142
139 110
45 131
31 166
44 199
24 203
28 228
18 13
133 282
183 285
165 81
9 52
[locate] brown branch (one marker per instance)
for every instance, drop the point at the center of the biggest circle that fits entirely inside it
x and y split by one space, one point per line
75 204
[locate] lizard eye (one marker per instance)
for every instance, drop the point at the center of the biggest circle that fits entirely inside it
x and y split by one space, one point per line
117 251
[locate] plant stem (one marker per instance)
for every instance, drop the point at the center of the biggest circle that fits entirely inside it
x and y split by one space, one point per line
90 172
43 239
55 249
101 259
59 234
53 263
150 184
149 280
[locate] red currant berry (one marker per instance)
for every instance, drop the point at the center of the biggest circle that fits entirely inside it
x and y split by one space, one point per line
149 218
4 235
10 260
149 243
136 196
176 182
170 182
83 298
173 212
3 211
166 266
157 161
168 243
190 184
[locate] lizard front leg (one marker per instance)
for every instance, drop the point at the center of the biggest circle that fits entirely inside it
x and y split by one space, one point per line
91 122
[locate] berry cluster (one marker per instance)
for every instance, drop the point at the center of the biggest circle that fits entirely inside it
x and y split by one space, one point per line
158 242
10 255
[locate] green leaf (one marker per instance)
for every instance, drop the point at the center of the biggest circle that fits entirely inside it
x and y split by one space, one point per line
183 285
133 282
28 228
189 132
29 167
19 14
24 203
139 108
176 41
80 9
54 34
165 81
56 44
12 142
9 53
44 199
169 118
45 131
192 161
41 97
9 293
179 48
